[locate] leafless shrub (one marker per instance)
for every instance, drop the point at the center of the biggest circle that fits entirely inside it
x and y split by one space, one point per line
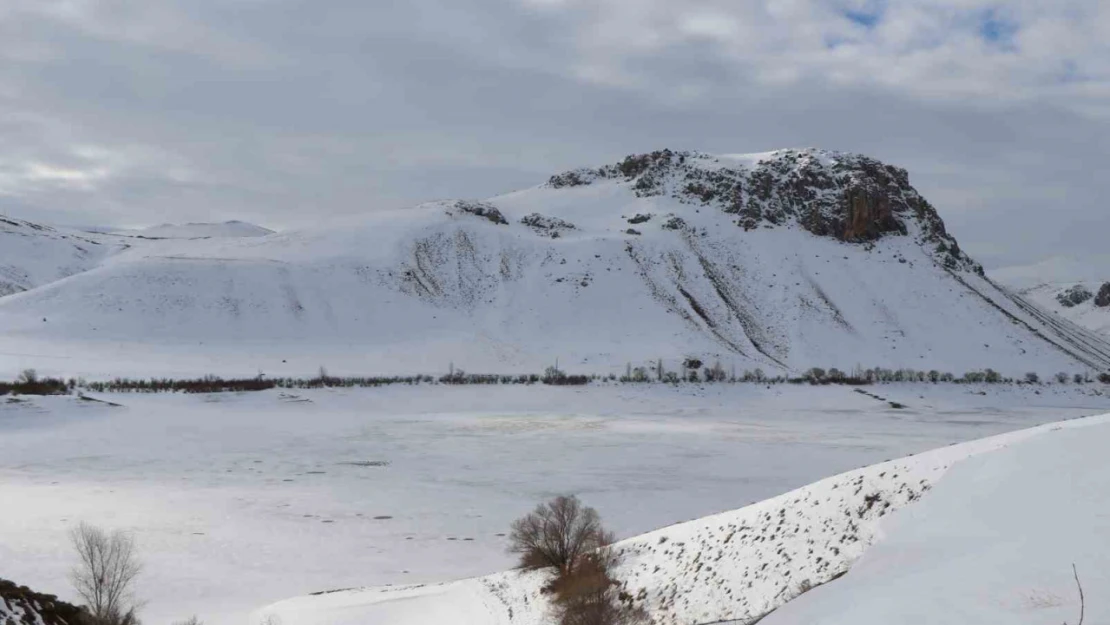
590 596
105 574
557 534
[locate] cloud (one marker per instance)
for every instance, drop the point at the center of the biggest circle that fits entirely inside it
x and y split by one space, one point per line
283 111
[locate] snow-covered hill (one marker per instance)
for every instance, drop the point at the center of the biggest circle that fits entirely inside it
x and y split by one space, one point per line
990 537
33 254
784 260
227 229
1086 304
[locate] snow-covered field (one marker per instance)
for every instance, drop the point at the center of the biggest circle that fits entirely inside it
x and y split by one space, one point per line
983 532
239 501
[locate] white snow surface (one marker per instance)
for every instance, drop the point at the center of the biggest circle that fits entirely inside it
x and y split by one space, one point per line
410 291
241 500
993 545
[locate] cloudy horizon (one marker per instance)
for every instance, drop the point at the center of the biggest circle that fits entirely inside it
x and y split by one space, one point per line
285 113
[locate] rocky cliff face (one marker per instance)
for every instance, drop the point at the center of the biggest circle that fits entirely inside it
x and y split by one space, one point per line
848 197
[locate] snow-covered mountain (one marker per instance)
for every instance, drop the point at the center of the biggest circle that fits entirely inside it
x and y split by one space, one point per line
1086 304
783 260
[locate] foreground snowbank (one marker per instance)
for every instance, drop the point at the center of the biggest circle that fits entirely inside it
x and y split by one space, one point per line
994 545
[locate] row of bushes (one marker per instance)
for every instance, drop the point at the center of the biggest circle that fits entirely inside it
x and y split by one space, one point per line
30 384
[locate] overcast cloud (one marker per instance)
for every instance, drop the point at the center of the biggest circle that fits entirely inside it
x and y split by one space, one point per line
279 112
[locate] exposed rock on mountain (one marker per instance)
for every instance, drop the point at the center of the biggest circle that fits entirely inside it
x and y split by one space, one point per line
20 605
1074 296
548 226
1102 300
849 197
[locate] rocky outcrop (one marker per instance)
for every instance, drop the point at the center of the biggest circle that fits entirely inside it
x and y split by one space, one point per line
548 226
20 605
482 209
1102 300
849 197
1074 296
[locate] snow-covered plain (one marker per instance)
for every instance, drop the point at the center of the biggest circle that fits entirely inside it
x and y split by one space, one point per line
239 501
994 545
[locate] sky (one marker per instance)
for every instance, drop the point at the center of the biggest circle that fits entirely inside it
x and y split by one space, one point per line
289 112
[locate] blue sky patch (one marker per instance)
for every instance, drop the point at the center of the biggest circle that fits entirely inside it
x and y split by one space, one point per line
997 29
867 19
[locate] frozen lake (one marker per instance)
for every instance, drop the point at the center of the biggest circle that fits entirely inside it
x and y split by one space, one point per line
241 500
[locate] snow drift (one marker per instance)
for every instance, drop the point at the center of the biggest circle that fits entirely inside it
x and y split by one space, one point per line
783 261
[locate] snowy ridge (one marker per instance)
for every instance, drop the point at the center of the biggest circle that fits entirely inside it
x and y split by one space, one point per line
782 261
227 229
736 566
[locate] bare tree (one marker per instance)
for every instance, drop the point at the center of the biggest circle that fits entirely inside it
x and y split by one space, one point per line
568 537
557 534
105 573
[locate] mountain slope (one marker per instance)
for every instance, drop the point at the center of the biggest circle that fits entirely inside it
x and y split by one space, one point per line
32 254
1086 304
943 536
783 261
